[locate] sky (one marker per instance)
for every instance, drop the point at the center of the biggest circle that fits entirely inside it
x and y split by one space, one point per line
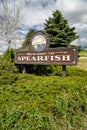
37 11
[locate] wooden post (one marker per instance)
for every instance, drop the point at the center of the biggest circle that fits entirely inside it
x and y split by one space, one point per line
63 70
24 69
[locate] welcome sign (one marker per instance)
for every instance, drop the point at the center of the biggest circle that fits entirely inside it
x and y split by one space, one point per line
40 53
61 56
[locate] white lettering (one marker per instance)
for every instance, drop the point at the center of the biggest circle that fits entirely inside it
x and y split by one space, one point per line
27 58
57 58
19 58
46 58
33 58
40 58
52 58
66 58
23 58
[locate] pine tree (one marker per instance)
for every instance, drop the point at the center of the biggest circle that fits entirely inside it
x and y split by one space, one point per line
27 38
59 31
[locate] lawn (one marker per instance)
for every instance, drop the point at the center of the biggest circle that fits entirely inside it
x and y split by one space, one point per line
82 63
83 53
82 60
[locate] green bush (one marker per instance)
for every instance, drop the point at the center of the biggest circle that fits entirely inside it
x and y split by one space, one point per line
29 102
9 55
8 78
6 65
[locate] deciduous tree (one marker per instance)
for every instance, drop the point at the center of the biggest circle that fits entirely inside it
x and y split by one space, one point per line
10 17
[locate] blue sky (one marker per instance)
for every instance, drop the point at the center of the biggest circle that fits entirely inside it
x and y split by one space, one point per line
37 11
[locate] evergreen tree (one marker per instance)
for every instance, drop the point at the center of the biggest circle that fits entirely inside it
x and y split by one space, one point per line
9 54
7 62
59 31
27 38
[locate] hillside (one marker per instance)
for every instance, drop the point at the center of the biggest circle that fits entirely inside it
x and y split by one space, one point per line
29 102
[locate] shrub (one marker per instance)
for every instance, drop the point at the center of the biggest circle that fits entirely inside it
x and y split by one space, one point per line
43 102
6 66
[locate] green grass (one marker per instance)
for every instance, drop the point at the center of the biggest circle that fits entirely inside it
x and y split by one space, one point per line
83 53
29 102
82 63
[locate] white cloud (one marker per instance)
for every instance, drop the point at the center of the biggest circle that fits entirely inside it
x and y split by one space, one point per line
74 11
3 46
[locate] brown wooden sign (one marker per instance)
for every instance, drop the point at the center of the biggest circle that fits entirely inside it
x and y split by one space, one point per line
39 53
60 56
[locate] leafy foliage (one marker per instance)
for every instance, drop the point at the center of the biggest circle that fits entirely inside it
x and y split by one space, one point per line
59 31
30 102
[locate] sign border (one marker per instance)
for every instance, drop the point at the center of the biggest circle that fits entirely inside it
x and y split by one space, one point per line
49 51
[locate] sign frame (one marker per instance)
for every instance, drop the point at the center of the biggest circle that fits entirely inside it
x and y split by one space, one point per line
59 56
